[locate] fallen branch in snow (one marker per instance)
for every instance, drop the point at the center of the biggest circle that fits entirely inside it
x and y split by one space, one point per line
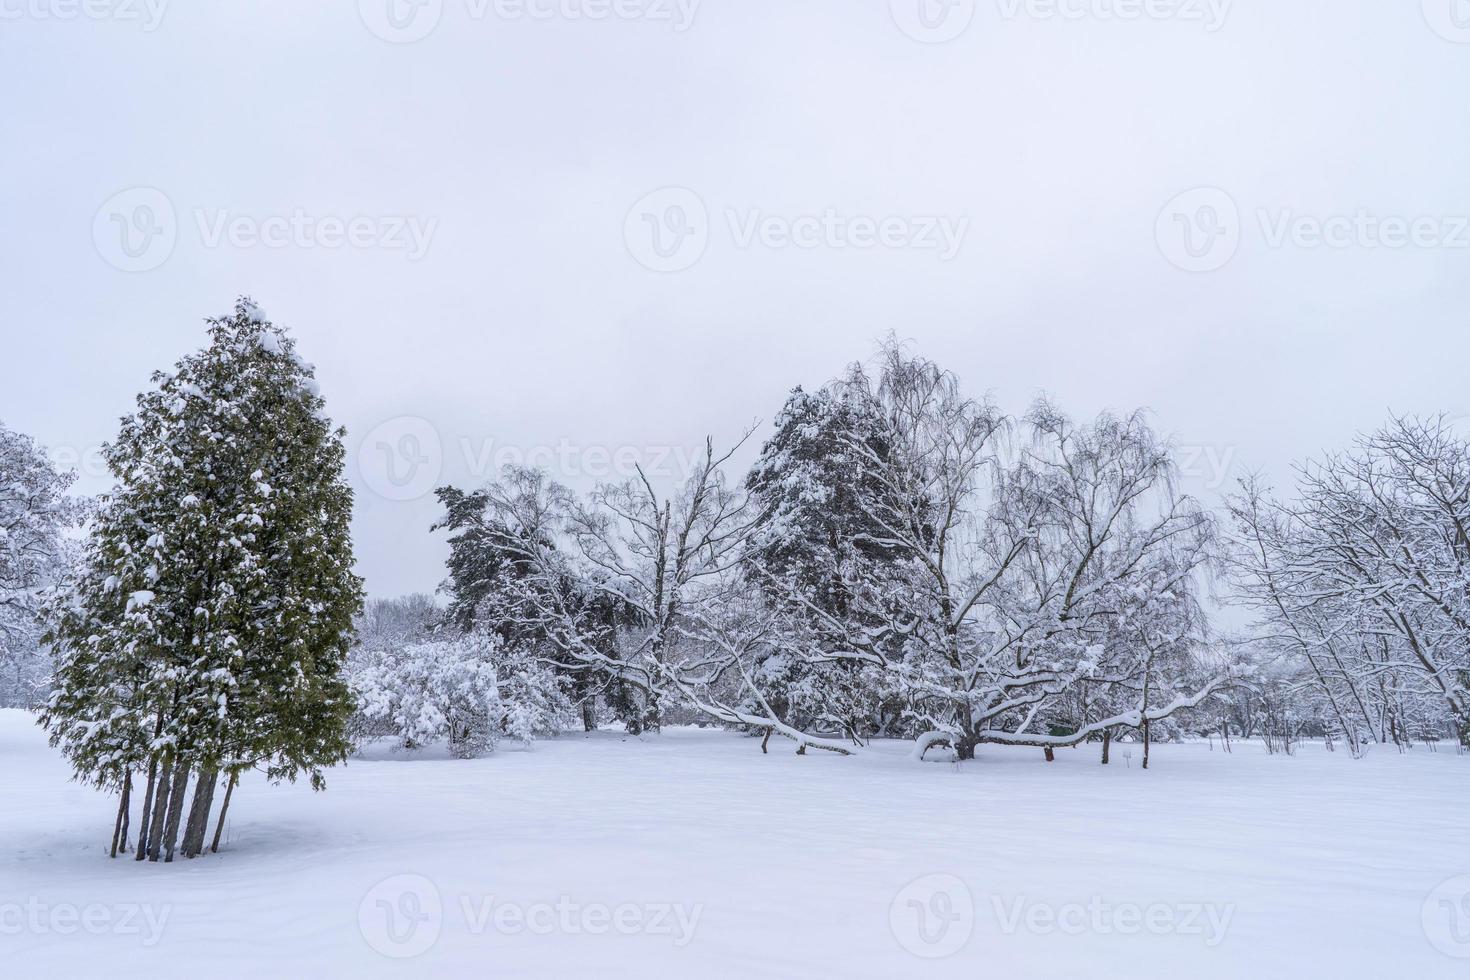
927 741
768 721
1129 719
734 716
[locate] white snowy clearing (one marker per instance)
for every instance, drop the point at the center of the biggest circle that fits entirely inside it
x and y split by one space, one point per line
691 854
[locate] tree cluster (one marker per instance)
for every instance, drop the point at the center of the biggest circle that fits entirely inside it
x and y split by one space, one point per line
902 559
35 515
206 627
1361 584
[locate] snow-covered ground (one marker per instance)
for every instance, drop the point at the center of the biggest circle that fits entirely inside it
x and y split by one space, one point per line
691 854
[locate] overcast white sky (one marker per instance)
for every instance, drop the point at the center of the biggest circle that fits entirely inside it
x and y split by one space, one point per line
528 153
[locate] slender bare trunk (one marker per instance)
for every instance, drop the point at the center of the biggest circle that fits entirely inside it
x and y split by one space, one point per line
1107 744
224 808
160 805
1145 742
145 815
120 825
127 814
146 810
198 824
175 809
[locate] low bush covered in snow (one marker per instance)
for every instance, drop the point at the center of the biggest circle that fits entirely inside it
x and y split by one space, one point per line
470 690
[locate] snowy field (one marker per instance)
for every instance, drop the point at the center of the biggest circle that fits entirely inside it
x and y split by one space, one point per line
691 854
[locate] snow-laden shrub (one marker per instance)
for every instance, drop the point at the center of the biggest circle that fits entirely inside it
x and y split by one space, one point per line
469 690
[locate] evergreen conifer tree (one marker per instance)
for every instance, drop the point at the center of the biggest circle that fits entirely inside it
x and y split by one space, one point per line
207 629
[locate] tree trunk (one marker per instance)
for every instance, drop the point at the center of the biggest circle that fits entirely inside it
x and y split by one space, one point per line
160 805
1051 756
127 808
118 827
765 741
652 716
1145 742
964 747
589 716
147 810
223 809
175 809
1107 744
146 813
198 824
